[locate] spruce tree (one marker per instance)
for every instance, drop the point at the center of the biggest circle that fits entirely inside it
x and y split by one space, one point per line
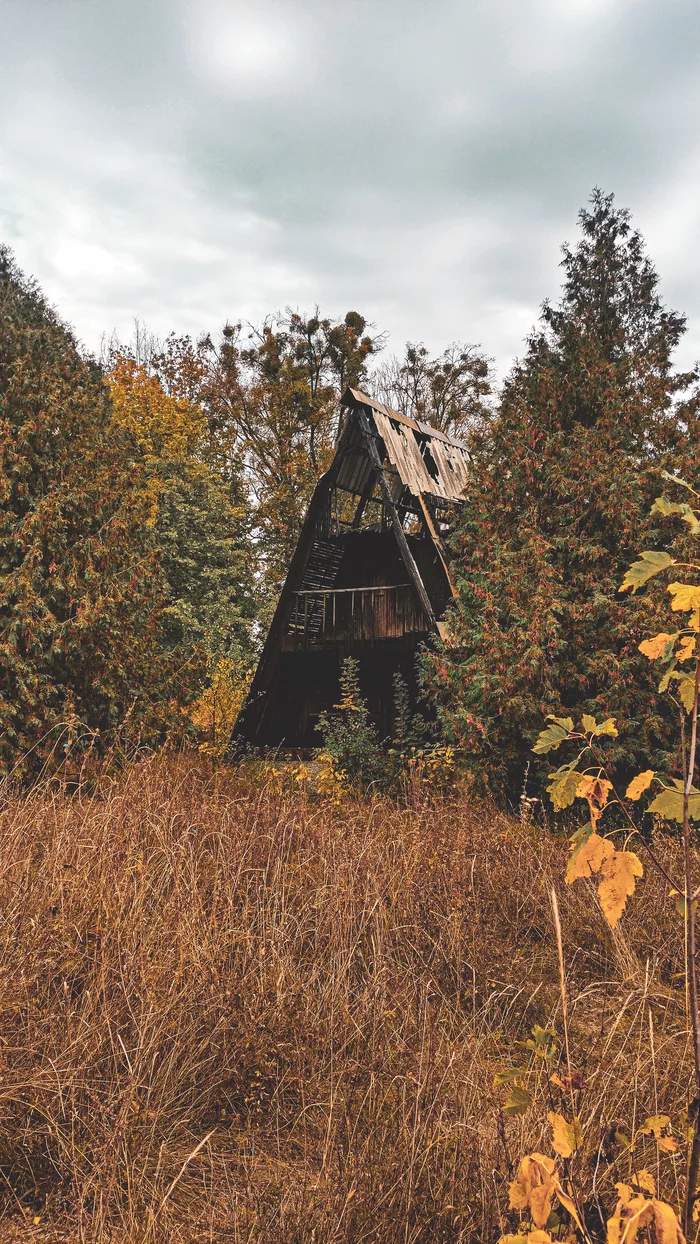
563 477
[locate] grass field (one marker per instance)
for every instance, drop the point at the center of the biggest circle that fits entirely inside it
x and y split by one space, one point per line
231 1012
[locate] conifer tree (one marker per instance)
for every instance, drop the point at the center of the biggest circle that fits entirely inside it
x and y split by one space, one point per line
563 476
81 592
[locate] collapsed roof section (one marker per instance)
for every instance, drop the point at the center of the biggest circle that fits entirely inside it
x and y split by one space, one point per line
427 462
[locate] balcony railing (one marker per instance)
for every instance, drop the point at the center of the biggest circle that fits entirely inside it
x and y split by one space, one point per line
322 616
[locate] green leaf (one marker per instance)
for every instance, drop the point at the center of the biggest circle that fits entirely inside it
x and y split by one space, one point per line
562 786
669 803
505 1077
665 681
686 690
581 835
517 1101
649 564
551 738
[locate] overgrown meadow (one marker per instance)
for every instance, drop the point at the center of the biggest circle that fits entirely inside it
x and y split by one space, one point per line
236 1010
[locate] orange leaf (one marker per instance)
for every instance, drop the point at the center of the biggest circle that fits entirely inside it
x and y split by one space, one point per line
595 790
639 784
618 873
588 858
653 648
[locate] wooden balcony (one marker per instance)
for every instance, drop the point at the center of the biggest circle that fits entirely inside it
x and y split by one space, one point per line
328 616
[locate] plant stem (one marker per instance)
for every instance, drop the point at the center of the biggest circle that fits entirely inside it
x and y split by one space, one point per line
690 967
657 863
562 986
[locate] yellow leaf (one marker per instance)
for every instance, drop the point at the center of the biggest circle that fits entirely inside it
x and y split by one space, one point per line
595 790
686 691
639 784
686 649
632 1213
654 1125
566 1137
645 1181
618 873
534 1187
538 1237
653 648
588 858
588 723
667 1144
685 596
668 1228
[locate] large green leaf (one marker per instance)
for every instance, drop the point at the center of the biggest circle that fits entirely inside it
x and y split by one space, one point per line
649 564
669 803
508 1075
562 786
551 738
517 1101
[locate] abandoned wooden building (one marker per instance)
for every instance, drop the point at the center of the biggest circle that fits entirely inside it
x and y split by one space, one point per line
369 577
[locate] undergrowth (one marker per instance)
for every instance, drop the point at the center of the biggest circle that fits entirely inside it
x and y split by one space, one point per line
232 1010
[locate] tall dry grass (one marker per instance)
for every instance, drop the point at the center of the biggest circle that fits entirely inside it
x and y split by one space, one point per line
232 1013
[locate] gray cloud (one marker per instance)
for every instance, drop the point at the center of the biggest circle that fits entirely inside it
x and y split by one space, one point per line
192 160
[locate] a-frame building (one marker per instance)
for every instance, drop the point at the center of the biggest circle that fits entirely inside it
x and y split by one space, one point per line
369 577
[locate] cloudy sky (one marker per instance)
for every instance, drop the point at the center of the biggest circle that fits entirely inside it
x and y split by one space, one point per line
421 161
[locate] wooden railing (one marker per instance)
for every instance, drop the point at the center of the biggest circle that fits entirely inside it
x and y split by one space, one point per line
322 616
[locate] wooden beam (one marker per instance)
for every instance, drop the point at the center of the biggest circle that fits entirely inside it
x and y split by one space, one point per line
437 541
401 540
365 498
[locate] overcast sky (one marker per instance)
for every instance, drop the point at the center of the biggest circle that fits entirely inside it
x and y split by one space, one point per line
420 161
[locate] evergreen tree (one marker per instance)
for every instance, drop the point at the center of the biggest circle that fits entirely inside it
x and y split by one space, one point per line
81 593
564 474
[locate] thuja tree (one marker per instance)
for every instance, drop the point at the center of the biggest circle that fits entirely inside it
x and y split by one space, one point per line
80 589
562 479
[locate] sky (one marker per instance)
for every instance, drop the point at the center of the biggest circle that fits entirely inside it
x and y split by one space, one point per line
189 162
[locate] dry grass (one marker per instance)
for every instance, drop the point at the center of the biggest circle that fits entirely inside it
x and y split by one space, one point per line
231 1013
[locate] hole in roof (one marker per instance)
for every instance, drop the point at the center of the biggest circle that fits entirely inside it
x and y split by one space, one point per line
430 463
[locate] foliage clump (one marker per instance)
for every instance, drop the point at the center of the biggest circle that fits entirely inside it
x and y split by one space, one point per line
349 734
81 589
564 472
